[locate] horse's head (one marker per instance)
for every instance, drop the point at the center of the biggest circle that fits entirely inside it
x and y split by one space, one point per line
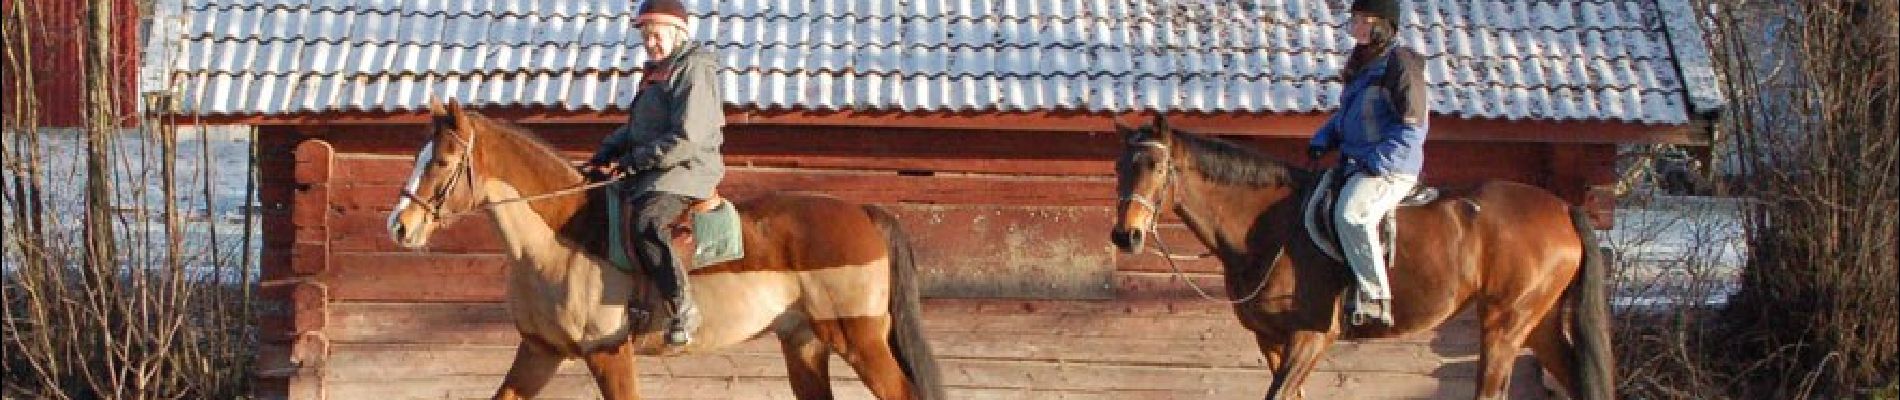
442 184
1144 175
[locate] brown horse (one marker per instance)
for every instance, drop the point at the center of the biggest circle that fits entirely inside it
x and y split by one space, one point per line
827 276
1512 250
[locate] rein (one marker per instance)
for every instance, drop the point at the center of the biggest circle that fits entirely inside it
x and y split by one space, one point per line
467 171
558 193
1161 246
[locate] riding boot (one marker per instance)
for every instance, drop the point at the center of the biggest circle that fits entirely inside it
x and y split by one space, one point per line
679 332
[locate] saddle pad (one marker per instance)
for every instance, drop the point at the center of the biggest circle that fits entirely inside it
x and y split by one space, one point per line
617 232
1324 198
717 233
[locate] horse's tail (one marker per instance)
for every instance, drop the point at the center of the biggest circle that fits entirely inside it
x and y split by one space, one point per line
907 328
1590 337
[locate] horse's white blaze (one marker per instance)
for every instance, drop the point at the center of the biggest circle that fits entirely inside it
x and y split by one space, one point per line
415 178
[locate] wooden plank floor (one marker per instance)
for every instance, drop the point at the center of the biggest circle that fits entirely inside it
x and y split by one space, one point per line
989 349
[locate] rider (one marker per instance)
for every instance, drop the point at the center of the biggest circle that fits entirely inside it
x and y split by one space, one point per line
1379 128
669 148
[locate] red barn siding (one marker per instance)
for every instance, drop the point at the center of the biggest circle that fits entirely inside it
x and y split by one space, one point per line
57 30
352 315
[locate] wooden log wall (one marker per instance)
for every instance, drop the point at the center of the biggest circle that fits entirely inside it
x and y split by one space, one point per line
1028 299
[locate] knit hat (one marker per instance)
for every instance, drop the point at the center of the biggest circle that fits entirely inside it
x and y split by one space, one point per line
1384 9
661 11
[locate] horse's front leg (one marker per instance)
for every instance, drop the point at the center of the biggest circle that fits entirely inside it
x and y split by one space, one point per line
1302 354
1271 346
613 369
532 369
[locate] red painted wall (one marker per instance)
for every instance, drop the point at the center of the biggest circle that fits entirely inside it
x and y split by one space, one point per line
53 59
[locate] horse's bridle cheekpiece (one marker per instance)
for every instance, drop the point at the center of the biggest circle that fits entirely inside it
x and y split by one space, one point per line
465 169
1154 223
1167 165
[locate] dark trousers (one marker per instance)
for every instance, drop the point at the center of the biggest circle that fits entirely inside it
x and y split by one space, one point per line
652 212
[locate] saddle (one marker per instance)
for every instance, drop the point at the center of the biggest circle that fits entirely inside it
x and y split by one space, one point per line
709 227
1320 206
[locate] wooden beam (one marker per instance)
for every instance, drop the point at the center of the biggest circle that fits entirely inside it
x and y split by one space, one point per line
1444 127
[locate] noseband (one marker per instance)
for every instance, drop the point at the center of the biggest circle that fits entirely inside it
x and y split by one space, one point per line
1167 181
464 170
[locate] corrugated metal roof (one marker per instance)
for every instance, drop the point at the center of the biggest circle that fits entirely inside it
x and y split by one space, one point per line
1592 59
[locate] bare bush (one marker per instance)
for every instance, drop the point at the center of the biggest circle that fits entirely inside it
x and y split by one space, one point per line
1676 260
1815 308
110 290
1812 312
1822 281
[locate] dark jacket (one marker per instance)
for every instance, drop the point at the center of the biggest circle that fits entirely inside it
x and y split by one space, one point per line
673 133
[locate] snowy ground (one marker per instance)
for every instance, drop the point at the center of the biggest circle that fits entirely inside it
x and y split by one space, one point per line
1672 250
139 170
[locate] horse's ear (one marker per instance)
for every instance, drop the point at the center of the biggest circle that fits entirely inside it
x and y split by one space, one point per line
1127 132
1161 126
435 107
455 113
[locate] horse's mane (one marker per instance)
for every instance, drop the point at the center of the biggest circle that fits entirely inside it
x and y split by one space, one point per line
522 135
579 224
1228 163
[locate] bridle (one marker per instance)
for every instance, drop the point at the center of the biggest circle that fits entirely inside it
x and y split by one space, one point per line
1166 164
1167 181
464 170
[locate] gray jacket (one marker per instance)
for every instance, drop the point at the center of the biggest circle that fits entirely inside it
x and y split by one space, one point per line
672 137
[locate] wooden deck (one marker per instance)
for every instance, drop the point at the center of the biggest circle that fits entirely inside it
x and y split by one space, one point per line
989 349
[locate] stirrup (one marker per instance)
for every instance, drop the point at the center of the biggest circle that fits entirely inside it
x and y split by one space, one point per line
1380 314
679 329
677 336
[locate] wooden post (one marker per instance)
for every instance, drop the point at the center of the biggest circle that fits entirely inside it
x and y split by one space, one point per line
1585 175
295 301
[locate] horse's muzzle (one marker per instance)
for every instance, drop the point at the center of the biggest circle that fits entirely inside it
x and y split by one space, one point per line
407 235
1128 241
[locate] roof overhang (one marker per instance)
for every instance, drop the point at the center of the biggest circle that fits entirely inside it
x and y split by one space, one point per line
1236 124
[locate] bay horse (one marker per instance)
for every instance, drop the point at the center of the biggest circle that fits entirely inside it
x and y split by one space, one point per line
827 276
1511 250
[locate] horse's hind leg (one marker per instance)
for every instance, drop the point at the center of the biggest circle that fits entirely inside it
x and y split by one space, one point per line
1555 352
807 362
1505 329
865 343
532 369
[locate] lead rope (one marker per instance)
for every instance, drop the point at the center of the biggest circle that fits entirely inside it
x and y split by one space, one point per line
1162 246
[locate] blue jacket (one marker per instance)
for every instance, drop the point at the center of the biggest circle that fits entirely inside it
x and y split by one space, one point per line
1382 118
